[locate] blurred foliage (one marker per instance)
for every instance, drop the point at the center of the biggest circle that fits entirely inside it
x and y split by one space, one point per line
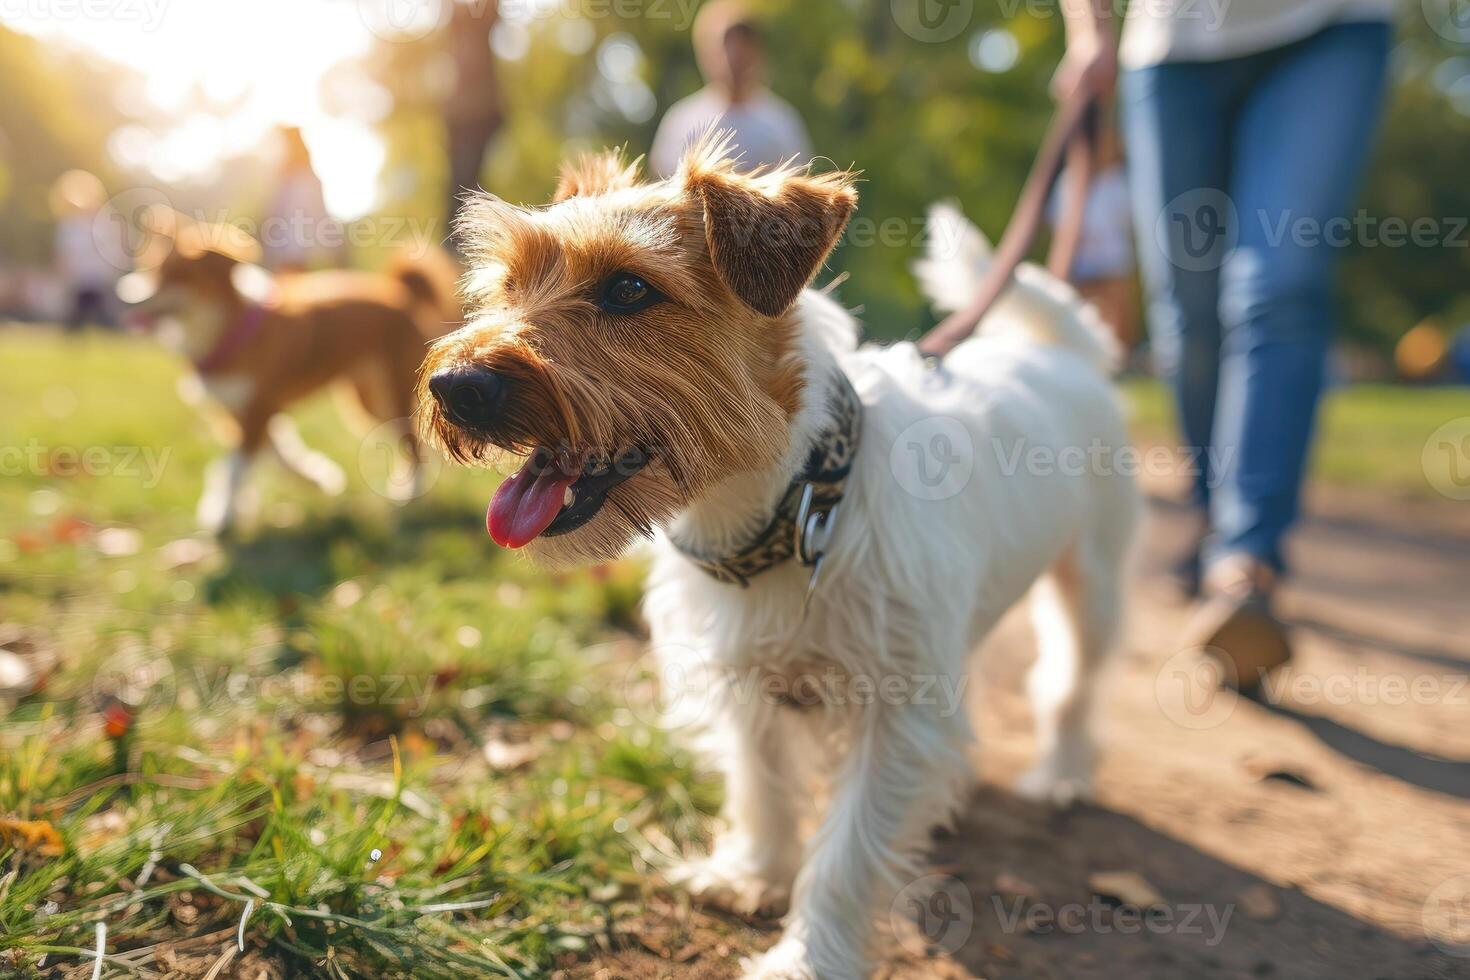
1420 171
48 124
916 117
922 122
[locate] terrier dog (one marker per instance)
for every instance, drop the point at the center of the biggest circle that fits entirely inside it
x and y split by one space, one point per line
259 343
654 353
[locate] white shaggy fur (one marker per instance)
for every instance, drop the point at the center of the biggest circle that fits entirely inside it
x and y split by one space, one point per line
910 587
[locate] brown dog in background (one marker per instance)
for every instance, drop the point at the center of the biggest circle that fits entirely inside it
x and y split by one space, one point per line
259 343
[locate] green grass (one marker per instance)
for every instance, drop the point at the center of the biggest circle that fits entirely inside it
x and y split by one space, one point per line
316 694
301 718
1370 436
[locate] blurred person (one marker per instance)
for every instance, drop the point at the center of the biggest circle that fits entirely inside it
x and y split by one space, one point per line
1103 267
79 204
1266 110
473 109
1460 355
295 230
731 50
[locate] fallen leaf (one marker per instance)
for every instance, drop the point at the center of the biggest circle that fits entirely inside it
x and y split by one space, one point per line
1291 779
1259 902
29 542
70 529
32 835
1125 888
117 719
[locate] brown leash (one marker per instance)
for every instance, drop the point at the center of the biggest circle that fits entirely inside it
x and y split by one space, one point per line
1071 139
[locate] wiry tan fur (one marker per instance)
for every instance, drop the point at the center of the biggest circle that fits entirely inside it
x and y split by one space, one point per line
706 382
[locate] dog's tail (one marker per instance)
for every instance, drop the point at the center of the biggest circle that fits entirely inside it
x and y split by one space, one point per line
1038 305
432 281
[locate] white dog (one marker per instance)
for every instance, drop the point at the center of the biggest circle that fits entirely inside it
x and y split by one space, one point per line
862 522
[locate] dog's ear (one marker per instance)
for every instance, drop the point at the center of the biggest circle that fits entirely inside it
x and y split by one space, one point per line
223 242
767 234
159 226
596 173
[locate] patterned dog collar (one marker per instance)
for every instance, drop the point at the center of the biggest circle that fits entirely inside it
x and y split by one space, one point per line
807 511
241 332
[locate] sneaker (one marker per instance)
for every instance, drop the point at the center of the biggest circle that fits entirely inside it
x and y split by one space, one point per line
1235 624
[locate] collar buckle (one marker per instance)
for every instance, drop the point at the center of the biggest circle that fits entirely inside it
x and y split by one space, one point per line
813 526
806 514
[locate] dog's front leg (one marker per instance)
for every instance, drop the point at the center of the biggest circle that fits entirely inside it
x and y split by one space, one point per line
900 778
223 480
299 459
756 856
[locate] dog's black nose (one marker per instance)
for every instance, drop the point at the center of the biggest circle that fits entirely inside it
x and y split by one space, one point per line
468 396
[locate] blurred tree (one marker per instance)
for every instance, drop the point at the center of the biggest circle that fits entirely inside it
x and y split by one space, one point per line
926 116
48 125
1421 175
924 113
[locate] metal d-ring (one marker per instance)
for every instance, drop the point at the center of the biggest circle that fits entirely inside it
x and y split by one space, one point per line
813 533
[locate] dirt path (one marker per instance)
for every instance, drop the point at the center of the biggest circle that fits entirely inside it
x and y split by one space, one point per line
1322 831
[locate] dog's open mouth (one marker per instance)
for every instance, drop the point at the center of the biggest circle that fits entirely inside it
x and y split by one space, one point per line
545 497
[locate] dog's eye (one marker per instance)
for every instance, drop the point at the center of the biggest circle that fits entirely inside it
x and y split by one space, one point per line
624 292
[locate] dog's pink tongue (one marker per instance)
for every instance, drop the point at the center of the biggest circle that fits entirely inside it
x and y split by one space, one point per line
525 504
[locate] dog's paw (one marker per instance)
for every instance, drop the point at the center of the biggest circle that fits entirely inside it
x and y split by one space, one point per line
731 885
787 960
1050 784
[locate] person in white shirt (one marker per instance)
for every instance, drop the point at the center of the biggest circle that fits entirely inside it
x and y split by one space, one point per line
84 226
730 50
298 232
1247 125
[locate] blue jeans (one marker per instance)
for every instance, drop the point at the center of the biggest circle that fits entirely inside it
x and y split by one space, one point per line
1242 174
